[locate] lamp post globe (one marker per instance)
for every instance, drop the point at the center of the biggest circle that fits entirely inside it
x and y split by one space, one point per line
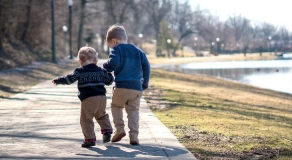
218 45
168 46
65 28
140 35
70 2
270 38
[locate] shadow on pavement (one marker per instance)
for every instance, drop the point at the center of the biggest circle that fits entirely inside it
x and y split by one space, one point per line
129 151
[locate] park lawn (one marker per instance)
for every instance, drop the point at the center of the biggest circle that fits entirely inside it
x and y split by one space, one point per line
216 118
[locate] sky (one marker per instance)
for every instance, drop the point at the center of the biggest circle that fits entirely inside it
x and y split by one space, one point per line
276 12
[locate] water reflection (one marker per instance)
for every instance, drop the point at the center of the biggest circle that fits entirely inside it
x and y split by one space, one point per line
275 75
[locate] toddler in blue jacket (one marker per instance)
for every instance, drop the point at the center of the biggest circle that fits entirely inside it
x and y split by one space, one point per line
132 71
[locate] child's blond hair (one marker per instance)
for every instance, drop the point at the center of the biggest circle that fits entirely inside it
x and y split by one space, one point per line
116 32
87 53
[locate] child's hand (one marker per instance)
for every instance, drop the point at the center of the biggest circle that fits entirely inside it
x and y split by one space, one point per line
53 81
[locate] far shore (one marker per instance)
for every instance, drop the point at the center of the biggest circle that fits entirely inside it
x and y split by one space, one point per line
232 57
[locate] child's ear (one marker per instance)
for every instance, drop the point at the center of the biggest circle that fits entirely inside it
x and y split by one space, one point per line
114 41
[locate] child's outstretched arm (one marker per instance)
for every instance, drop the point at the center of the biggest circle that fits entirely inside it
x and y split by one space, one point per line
53 81
67 79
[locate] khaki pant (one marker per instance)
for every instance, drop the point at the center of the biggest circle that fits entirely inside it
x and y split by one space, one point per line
94 107
129 99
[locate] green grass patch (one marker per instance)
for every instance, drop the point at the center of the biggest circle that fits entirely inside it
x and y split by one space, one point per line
217 118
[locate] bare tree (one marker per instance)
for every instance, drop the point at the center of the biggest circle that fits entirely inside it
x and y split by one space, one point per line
258 38
284 34
240 25
27 22
206 26
268 30
246 39
182 21
138 21
157 10
81 23
117 10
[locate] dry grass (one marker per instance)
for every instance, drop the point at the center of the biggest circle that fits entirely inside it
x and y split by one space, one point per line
218 118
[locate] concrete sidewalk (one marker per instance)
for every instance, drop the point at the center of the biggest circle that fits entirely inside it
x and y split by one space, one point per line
43 123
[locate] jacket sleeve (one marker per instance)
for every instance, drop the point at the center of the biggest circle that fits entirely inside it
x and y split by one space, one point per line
146 72
68 79
113 62
108 78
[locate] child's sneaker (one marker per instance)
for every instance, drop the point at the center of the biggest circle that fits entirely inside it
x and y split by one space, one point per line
118 136
87 144
134 140
106 137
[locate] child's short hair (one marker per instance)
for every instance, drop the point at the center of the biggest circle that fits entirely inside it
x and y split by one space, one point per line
116 31
86 53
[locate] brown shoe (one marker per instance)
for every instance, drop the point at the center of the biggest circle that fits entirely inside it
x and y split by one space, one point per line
117 137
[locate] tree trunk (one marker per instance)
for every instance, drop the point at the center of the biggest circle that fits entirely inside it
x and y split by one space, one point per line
102 42
0 27
175 49
27 22
111 9
81 24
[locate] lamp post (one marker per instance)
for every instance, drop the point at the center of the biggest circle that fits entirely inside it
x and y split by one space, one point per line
53 34
270 38
238 47
70 3
65 29
218 46
140 36
196 45
168 43
212 47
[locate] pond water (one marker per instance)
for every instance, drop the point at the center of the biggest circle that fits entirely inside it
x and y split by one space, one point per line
269 74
